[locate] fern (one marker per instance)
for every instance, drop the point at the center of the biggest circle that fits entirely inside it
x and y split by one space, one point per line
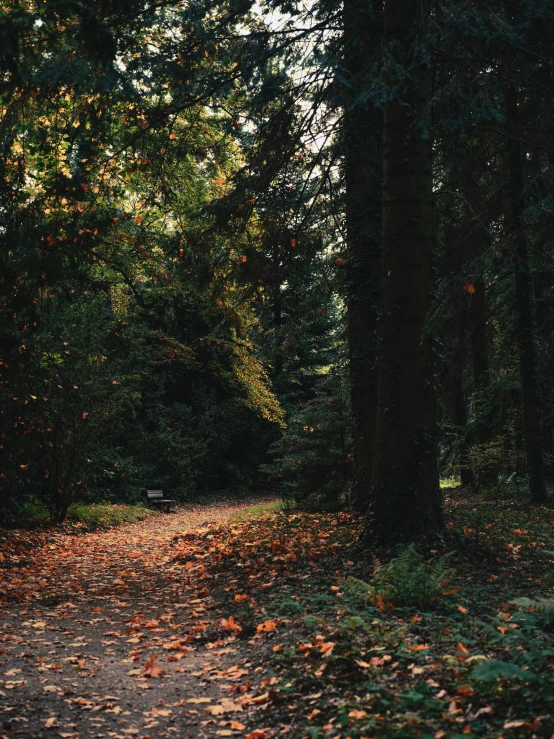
492 669
358 588
408 580
543 607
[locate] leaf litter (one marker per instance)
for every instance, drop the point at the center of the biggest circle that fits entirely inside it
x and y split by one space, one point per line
200 624
106 634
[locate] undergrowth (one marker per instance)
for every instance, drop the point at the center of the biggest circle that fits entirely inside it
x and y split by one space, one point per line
88 517
408 580
445 644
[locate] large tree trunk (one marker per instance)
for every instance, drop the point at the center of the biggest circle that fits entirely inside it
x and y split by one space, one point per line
525 319
363 25
406 498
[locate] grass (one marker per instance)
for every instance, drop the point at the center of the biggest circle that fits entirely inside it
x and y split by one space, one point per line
258 511
449 482
106 515
88 517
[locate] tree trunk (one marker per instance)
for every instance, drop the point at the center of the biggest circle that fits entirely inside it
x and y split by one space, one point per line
525 319
362 133
406 498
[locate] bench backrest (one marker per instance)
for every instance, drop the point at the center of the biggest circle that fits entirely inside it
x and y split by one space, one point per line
154 494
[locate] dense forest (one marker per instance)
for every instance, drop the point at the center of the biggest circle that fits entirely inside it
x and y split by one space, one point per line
286 263
284 245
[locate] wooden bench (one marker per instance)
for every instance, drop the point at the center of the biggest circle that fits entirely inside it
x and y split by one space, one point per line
156 497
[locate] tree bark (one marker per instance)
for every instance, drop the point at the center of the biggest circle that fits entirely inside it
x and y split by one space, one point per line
362 133
406 498
525 319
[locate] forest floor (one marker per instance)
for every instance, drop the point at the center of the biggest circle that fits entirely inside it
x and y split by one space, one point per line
225 620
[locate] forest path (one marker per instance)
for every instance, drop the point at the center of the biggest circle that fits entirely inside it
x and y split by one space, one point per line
114 637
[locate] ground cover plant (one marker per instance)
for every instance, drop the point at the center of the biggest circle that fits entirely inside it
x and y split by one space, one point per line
92 516
459 647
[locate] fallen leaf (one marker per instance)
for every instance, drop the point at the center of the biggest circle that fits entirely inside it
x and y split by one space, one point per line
266 626
216 710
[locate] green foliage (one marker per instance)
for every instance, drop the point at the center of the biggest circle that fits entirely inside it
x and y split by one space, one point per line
86 517
542 606
258 511
103 516
408 580
358 588
490 669
311 467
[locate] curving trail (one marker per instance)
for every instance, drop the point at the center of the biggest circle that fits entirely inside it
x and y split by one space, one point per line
108 635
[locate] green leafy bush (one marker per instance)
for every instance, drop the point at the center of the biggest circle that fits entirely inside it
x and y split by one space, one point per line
409 580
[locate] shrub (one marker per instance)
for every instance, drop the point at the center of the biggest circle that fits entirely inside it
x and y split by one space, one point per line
408 580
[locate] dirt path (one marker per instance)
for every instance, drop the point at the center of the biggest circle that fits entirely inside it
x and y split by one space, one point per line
110 637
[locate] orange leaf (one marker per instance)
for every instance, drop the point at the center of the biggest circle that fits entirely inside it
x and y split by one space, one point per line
462 648
466 690
150 662
469 287
229 624
152 670
259 699
327 647
257 734
266 626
